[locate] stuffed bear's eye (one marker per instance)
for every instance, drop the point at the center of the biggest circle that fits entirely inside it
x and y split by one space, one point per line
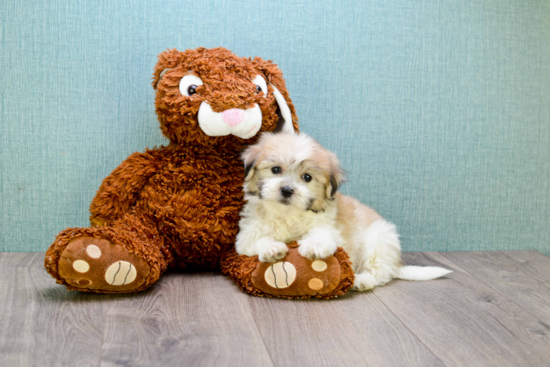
261 85
306 177
188 84
276 170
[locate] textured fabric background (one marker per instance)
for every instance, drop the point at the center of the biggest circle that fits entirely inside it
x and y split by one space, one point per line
439 110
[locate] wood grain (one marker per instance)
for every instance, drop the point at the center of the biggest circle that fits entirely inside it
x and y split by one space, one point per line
492 311
355 330
43 324
465 322
509 277
21 259
533 263
186 319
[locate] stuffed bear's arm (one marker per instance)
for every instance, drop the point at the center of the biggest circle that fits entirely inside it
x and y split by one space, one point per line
120 190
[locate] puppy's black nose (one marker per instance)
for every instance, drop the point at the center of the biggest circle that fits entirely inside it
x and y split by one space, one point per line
287 191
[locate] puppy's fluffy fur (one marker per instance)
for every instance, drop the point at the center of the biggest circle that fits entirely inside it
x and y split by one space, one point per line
291 193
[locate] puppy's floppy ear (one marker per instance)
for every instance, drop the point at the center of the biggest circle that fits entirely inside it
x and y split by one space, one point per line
288 121
250 157
167 60
337 176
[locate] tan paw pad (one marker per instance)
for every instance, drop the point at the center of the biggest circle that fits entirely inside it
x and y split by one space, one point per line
319 265
315 284
120 273
280 275
93 251
81 266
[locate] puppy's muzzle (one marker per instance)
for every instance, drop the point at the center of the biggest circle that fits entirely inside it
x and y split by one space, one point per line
287 191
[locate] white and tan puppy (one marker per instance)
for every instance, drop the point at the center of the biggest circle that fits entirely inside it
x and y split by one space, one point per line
291 195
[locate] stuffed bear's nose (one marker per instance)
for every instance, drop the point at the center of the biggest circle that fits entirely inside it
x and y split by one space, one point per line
233 117
287 191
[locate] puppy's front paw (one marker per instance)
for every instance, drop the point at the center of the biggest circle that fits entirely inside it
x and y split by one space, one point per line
314 247
272 251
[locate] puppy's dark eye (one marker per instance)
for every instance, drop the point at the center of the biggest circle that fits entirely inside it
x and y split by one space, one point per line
276 170
192 89
258 89
306 177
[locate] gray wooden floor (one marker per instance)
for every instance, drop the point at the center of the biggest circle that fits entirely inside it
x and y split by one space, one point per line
494 310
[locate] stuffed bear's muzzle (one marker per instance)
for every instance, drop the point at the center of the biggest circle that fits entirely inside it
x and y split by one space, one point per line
242 123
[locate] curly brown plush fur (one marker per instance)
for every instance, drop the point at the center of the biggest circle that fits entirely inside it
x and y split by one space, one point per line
176 206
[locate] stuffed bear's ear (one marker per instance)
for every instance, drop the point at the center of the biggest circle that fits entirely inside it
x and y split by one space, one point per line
288 121
167 60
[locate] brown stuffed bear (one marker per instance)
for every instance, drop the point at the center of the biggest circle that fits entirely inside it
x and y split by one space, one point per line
177 207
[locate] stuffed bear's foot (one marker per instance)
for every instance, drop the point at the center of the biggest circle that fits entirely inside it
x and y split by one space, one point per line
124 258
89 263
292 277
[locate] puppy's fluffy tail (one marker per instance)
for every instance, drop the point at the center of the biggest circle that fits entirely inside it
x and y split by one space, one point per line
410 272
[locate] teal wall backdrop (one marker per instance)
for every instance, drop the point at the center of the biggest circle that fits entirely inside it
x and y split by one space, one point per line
439 110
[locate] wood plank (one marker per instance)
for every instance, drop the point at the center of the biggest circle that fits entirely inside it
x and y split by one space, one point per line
465 322
354 330
186 319
41 323
533 263
21 259
492 311
508 276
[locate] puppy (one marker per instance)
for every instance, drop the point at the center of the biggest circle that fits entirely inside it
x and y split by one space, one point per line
291 194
